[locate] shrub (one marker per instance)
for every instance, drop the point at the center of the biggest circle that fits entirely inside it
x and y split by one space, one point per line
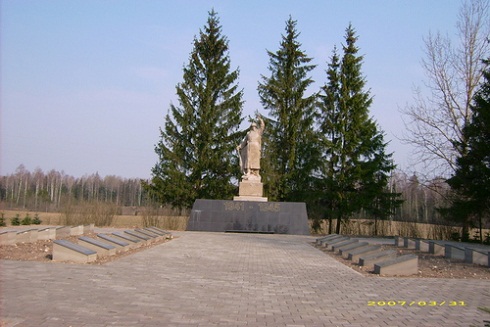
36 220
27 220
2 220
15 221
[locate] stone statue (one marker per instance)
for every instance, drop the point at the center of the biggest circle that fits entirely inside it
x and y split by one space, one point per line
249 151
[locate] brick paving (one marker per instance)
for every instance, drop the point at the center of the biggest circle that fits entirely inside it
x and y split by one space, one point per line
217 279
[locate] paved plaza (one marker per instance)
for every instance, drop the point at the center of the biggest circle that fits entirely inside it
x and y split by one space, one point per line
219 279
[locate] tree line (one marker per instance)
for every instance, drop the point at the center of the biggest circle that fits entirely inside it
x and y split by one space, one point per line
54 190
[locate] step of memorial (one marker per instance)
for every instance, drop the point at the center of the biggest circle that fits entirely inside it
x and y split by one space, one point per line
64 250
102 249
344 251
370 260
404 265
120 245
355 254
338 246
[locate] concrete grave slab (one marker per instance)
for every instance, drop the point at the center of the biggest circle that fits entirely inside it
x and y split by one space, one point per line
477 256
328 244
144 238
344 251
133 241
46 234
153 235
162 232
404 265
370 259
355 254
399 241
119 244
62 232
339 242
422 245
88 228
100 247
8 237
76 230
454 252
64 250
409 243
26 236
436 248
327 237
336 247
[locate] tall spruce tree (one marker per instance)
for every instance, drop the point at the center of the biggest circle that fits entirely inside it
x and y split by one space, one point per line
197 146
356 167
289 140
471 181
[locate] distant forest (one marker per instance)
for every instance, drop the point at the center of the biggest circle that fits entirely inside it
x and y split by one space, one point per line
53 190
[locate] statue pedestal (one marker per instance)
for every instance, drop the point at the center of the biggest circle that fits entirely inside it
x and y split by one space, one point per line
250 191
249 217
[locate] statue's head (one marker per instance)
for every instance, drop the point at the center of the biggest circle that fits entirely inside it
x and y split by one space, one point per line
253 125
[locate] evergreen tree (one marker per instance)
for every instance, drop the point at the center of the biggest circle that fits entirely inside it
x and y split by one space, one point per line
197 146
471 181
357 167
289 140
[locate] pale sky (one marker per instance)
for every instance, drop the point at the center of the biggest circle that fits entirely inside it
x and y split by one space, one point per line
86 85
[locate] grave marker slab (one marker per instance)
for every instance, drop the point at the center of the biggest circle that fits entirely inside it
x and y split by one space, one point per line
119 244
344 251
100 247
336 247
64 250
476 256
370 259
404 265
454 252
354 255
8 237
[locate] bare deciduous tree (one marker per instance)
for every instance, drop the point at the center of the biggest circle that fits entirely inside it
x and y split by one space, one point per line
435 121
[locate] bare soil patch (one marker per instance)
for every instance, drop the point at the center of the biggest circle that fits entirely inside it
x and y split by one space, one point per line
43 250
430 266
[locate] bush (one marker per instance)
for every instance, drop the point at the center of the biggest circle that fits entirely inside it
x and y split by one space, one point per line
2 220
27 220
36 220
15 221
